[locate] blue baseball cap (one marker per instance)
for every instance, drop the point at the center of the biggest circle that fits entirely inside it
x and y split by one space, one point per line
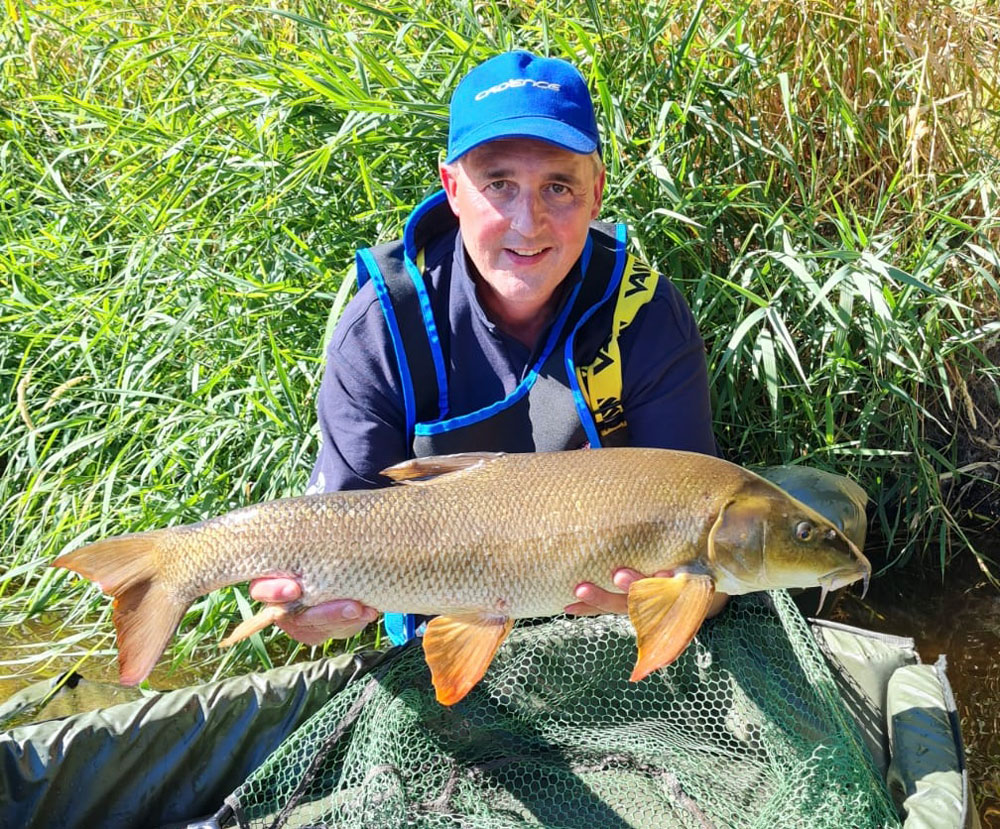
521 95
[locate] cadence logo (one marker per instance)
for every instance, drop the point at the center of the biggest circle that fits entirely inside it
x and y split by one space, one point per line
515 83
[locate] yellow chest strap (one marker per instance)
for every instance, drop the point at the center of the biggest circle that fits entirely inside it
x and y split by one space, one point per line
601 381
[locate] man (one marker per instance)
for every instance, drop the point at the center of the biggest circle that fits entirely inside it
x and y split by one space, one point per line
497 321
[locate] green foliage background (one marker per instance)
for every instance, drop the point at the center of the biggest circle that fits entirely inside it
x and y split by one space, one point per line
183 184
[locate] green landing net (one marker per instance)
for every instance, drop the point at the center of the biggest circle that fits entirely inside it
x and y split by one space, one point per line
745 729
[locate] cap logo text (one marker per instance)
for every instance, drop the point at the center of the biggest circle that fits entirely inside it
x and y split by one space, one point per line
515 83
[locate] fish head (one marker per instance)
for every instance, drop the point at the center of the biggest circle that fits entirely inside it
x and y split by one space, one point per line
765 539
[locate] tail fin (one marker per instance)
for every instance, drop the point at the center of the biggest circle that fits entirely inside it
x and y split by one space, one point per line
145 614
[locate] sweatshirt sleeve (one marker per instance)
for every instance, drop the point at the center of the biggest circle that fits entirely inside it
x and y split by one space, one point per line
362 421
665 376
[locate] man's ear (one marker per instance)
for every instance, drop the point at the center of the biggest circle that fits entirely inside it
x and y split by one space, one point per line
449 181
598 193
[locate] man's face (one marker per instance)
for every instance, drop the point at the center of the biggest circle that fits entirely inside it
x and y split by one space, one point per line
524 207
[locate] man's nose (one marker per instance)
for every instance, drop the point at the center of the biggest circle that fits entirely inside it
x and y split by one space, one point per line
528 215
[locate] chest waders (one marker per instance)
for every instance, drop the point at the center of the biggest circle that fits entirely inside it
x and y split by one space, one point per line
571 395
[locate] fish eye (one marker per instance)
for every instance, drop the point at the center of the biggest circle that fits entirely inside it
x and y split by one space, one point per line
804 531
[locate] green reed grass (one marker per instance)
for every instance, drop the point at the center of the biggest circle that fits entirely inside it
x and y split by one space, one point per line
182 186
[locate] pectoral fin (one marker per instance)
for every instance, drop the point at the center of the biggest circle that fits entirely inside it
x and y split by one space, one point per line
666 613
459 649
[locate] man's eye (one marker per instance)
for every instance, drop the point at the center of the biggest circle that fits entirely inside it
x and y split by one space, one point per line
558 189
497 186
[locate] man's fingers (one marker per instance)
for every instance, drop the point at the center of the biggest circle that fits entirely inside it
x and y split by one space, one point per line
624 576
718 602
275 589
339 619
598 600
582 609
593 600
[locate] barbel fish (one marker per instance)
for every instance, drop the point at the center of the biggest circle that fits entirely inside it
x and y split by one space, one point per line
478 540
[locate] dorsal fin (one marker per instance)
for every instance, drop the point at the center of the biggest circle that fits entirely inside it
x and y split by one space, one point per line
422 470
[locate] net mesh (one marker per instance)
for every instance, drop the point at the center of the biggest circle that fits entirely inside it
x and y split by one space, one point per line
745 729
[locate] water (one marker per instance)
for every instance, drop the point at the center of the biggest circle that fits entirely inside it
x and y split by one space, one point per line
21 644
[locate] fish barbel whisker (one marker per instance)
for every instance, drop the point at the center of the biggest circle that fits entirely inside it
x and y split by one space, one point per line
824 587
841 578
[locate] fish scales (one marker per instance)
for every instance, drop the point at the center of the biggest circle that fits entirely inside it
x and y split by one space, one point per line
505 536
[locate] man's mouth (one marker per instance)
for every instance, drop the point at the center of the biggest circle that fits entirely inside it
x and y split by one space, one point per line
526 253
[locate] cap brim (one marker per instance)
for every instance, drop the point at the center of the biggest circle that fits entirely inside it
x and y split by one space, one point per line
543 129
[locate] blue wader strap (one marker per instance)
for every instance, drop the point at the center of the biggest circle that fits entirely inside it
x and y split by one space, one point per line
400 627
402 295
397 271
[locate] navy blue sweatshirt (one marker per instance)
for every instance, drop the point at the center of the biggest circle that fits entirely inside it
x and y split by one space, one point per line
360 405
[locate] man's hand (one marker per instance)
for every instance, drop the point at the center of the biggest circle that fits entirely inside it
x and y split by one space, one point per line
593 600
338 619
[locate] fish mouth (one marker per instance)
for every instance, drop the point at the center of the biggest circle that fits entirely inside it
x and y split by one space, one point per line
842 577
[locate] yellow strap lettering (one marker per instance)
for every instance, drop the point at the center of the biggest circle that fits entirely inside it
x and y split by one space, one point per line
601 381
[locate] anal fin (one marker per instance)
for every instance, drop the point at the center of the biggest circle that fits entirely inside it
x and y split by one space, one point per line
263 618
459 649
666 613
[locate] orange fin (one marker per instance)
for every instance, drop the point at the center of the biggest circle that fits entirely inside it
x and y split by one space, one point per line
145 613
459 649
420 470
265 617
666 613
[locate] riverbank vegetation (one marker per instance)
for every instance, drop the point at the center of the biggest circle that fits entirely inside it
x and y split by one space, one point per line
182 187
